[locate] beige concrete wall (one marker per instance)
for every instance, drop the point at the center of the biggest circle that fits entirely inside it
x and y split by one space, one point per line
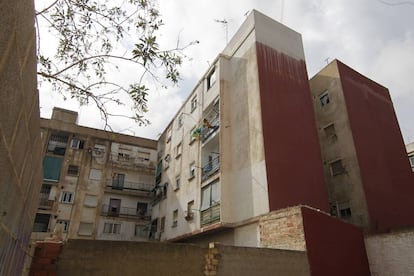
20 159
391 254
345 187
138 258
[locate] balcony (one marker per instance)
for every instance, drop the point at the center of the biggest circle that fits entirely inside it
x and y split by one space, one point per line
212 167
131 162
45 204
115 184
210 215
124 212
211 128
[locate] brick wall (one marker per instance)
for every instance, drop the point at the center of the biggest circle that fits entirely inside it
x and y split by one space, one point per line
45 257
283 229
20 159
391 254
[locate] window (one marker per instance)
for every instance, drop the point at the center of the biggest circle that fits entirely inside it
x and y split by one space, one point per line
98 150
57 144
64 224
67 197
167 160
178 150
324 98
122 156
143 156
411 158
118 181
337 167
345 213
112 228
95 174
162 225
51 168
345 210
41 223
177 182
90 201
180 120
169 133
141 230
192 170
193 103
85 229
210 196
76 144
114 207
211 79
73 170
330 131
194 133
190 208
175 218
142 208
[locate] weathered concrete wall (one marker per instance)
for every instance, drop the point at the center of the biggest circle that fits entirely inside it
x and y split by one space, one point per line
260 261
86 257
391 254
20 162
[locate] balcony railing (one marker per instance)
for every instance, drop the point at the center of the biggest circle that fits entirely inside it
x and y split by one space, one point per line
115 184
208 131
44 202
210 215
211 168
124 212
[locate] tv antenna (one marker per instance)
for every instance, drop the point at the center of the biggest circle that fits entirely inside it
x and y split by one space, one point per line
225 24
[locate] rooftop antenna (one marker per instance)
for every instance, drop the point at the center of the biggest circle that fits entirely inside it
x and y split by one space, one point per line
225 24
327 60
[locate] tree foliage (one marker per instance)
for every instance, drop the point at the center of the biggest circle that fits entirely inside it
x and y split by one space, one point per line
88 34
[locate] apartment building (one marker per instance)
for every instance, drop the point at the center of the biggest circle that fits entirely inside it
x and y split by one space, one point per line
230 154
410 152
96 184
368 178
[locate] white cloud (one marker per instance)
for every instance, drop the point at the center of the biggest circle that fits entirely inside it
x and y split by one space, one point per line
373 38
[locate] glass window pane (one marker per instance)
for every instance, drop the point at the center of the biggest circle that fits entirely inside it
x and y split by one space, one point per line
215 193
205 198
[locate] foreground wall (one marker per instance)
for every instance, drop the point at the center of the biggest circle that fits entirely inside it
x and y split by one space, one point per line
391 254
20 162
145 258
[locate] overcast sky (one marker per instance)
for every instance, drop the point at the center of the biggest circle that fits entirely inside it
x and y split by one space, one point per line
374 38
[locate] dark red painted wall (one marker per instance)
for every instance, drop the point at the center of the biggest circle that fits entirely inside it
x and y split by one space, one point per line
333 247
386 174
292 152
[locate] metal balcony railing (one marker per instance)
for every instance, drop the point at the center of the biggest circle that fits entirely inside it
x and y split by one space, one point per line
211 168
210 215
44 202
124 212
208 131
115 184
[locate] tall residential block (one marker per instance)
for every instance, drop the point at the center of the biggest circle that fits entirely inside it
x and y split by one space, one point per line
20 156
243 144
368 175
96 184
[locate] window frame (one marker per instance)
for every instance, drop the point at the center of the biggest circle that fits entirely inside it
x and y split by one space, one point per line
114 228
71 170
64 197
175 218
193 103
324 98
